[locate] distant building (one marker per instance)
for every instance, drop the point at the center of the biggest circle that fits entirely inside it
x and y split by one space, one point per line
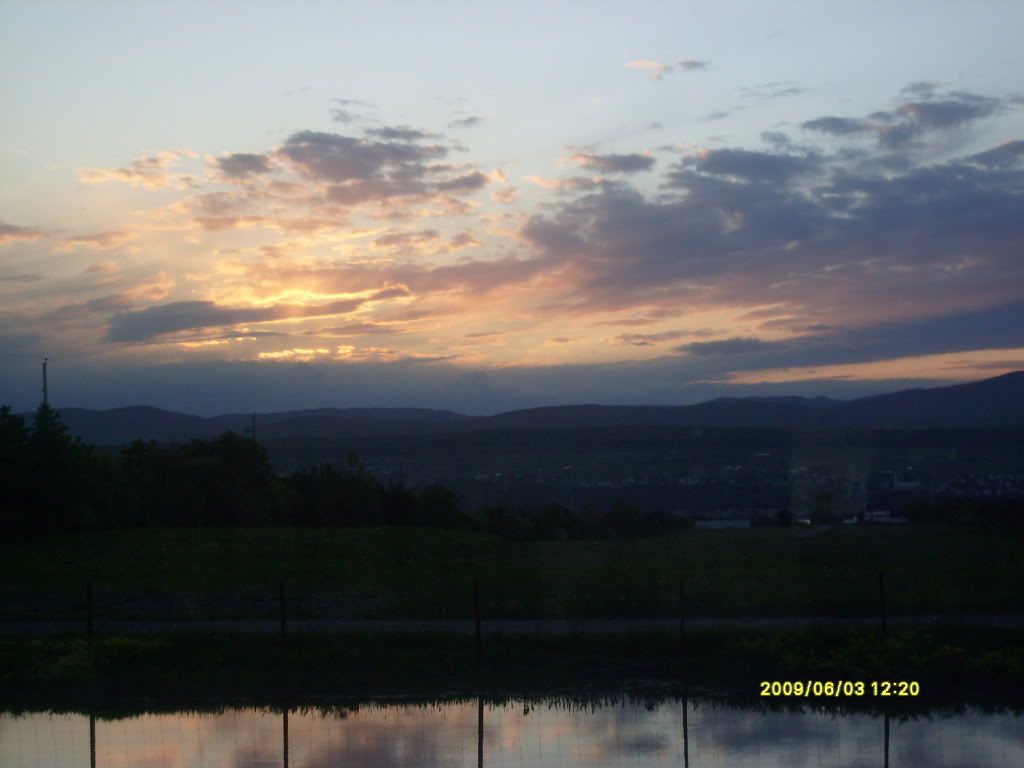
882 517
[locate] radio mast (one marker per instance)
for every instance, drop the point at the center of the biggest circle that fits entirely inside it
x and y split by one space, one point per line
46 399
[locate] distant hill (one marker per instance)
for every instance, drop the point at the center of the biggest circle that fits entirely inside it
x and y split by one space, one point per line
994 402
723 412
991 402
122 425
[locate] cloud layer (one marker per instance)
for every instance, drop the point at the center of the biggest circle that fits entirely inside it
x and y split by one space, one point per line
837 240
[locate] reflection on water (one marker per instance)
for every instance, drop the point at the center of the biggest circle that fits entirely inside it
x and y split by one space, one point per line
511 734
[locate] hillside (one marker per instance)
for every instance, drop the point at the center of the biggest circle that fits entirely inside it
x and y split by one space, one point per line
995 402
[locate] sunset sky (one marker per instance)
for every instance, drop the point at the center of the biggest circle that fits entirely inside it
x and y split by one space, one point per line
217 207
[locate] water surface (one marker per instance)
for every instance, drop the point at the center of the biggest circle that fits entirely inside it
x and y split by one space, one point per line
548 733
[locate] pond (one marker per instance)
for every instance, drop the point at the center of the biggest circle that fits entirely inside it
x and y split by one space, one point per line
544 732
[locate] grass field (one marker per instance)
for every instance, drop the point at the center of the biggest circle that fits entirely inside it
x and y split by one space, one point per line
951 665
418 573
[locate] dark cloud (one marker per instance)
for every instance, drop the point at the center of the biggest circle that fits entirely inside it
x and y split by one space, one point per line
146 324
837 126
403 239
390 293
552 235
649 339
612 163
991 328
359 170
1004 156
221 223
772 90
466 183
25 278
752 166
917 118
926 112
11 232
828 235
400 133
243 165
336 158
694 65
651 316
734 346
960 107
776 139
466 122
921 89
151 323
463 240
342 114
75 315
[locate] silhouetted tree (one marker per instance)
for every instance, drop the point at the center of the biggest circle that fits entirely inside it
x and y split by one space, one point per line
58 465
15 489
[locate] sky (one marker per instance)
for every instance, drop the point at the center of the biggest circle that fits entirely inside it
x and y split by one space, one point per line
215 207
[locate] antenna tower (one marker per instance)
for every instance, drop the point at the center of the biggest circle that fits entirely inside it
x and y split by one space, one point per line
46 398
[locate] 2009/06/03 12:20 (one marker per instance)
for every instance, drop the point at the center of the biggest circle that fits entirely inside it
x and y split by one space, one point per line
837 688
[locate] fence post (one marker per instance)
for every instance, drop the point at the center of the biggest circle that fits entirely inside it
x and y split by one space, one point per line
90 612
283 613
682 625
92 740
881 602
284 735
686 733
476 616
886 764
479 731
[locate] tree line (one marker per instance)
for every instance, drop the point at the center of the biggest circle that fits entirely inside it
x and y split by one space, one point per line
55 483
52 482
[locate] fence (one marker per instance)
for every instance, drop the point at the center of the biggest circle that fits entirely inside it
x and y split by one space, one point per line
255 615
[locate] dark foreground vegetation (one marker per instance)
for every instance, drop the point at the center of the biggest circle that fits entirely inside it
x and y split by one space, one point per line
416 573
951 665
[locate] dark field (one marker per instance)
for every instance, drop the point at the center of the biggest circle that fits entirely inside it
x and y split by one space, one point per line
954 665
428 574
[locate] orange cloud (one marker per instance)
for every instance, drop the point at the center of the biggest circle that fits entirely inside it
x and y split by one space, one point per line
149 171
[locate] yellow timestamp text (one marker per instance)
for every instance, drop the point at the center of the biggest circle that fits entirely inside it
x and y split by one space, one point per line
840 688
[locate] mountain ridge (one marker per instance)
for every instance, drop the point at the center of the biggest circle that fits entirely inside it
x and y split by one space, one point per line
992 402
